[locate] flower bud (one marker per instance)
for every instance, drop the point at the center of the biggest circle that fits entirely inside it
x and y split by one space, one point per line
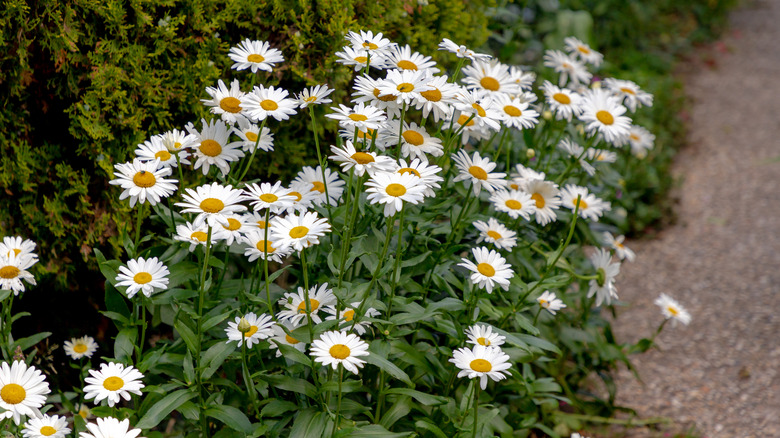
244 326
530 153
547 115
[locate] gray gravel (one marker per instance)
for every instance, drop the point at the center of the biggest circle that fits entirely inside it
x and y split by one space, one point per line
721 260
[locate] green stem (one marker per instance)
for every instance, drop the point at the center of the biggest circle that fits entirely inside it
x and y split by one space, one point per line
319 158
181 173
400 131
476 408
304 269
536 317
254 151
139 219
201 301
142 310
265 262
397 262
250 385
388 234
338 403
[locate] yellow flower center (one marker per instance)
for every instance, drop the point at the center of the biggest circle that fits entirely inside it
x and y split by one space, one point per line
385 98
233 224
409 170
13 394
298 232
583 204
481 365
362 158
539 200
605 117
361 59
514 186
79 348
432 95
478 173
177 145
395 190
163 155
199 235
314 305
494 234
144 179
113 383
290 340
210 148
628 91
371 46
261 224
584 50
358 117
269 197
269 105
142 277
486 269
339 351
310 99
413 137
513 111
251 136
230 104
48 431
462 119
513 204
562 98
483 341
212 205
405 87
634 137
265 246
489 83
348 315
672 310
480 110
297 195
407 65
544 303
255 58
252 330
318 186
9 272
365 135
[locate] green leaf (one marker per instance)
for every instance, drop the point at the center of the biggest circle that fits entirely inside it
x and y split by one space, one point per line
309 424
187 335
426 424
294 354
422 397
278 407
116 316
124 343
231 416
388 367
293 384
375 430
160 410
215 356
4 293
29 341
538 343
189 369
398 410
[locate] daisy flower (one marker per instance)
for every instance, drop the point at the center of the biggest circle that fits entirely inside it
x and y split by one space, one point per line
514 113
143 181
569 68
550 302
113 381
360 116
621 251
546 200
316 95
256 221
23 391
275 197
13 270
629 93
143 275
360 161
299 232
482 362
303 197
259 329
178 142
263 102
496 233
154 149
603 286
578 152
294 304
259 247
603 115
564 103
477 171
348 317
671 309
235 229
313 176
490 269
255 55
77 348
22 248
281 337
367 91
212 147
482 334
590 207
479 105
438 99
393 189
462 51
55 427
415 141
358 58
524 80
515 203
601 155
366 40
402 58
194 235
334 348
526 174
489 77
406 85
110 427
640 140
212 202
226 102
427 172
248 132
467 127
577 48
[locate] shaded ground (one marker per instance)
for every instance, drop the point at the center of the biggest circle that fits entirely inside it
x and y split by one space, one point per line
721 261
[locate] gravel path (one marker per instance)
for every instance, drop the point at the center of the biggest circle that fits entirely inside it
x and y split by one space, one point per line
721 261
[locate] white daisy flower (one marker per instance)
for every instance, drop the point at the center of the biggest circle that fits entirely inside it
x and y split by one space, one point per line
280 336
564 103
514 113
235 229
113 381
621 251
367 92
212 147
145 275
482 362
515 203
570 69
13 270
303 197
640 140
178 142
415 141
526 174
603 115
366 40
438 99
334 348
316 95
294 304
194 235
629 93
259 246
393 189
550 302
402 58
21 248
256 221
490 269
590 207
313 176
601 156
524 80
255 55
259 329
347 316
467 127
248 132
406 85
482 334
23 391
477 171
77 348
143 181
212 202
480 106
360 116
366 137
299 232
489 77
275 197
154 149
46 426
462 51
577 48
546 200
361 161
603 286
263 102
578 152
226 102
359 58
496 233
671 309
110 427
425 171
